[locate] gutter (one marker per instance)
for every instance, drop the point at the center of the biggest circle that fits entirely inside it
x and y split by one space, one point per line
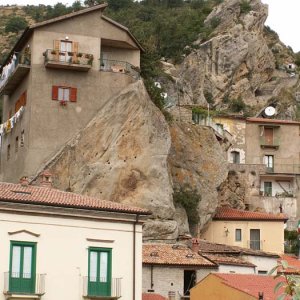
134 256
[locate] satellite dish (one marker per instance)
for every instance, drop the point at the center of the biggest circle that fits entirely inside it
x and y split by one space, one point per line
164 95
270 111
157 84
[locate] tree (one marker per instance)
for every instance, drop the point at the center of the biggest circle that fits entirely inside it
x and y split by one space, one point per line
16 24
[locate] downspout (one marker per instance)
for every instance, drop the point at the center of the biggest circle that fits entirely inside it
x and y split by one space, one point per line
134 255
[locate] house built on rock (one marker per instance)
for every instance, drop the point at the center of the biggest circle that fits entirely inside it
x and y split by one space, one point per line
57 76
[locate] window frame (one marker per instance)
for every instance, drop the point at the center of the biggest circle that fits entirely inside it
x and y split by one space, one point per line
240 234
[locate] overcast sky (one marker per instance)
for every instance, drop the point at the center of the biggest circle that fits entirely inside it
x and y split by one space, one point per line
283 17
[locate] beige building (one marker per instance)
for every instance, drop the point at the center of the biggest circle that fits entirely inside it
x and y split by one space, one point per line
57 245
248 229
58 75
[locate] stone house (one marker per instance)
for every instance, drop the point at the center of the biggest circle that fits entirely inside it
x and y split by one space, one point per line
265 155
60 245
247 229
236 287
57 76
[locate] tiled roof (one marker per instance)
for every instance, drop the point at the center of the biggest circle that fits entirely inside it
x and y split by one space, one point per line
167 254
17 193
214 248
252 284
293 262
228 213
272 121
228 260
152 296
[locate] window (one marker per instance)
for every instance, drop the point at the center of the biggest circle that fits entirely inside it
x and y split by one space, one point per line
235 157
255 239
8 152
269 162
22 138
62 93
268 189
17 144
261 272
99 276
22 267
238 235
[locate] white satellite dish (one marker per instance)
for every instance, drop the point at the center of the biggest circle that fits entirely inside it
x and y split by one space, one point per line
164 95
157 84
270 111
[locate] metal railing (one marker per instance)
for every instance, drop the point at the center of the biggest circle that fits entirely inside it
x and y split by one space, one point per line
118 66
207 121
20 285
115 288
255 244
275 142
68 57
18 58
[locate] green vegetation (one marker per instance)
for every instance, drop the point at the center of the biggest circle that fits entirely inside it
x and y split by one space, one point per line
16 24
189 199
237 105
245 7
291 241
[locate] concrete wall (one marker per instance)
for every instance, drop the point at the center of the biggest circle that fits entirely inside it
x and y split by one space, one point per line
47 124
212 288
236 269
271 234
167 278
62 251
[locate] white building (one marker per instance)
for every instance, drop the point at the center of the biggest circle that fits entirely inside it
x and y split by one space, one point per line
60 246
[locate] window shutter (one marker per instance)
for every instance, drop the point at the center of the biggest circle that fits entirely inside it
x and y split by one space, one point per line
75 47
24 98
56 44
54 92
73 94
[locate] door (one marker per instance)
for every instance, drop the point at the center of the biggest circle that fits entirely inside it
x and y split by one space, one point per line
99 278
189 281
22 268
269 136
255 239
65 48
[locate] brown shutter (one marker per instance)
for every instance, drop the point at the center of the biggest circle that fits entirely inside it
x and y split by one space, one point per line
54 92
75 51
24 98
73 94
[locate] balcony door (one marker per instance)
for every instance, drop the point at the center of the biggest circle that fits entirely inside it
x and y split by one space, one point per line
99 278
22 267
255 239
269 162
269 136
65 47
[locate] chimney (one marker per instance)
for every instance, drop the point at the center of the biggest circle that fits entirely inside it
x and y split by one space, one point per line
171 295
46 179
260 296
24 181
195 245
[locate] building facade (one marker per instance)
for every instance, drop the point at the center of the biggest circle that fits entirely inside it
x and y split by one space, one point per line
59 245
58 75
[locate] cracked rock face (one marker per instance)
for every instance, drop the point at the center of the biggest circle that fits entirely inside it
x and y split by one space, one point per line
234 62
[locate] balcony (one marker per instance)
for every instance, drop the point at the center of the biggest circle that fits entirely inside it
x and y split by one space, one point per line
26 287
118 66
102 290
68 60
267 143
14 72
255 244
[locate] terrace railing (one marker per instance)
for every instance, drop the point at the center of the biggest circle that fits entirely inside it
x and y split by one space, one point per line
118 66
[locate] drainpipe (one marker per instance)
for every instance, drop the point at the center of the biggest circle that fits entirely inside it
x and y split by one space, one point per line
134 255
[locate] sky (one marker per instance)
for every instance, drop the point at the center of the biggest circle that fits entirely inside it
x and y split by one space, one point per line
283 17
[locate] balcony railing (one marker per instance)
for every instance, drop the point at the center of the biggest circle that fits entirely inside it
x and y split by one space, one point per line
115 289
119 66
14 72
24 285
255 244
266 143
68 60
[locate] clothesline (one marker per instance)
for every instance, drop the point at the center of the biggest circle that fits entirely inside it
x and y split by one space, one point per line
8 70
7 126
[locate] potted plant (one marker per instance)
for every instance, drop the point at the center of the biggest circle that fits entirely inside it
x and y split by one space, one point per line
53 52
90 59
79 54
70 53
63 102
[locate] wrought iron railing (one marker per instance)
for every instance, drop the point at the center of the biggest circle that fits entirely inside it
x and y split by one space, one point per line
18 58
68 57
115 288
275 142
119 66
255 244
20 285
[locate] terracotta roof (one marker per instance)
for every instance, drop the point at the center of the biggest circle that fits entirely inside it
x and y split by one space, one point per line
272 121
228 260
168 254
252 284
228 213
214 248
152 296
17 193
293 262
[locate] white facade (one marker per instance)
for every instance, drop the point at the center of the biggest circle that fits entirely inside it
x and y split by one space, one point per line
63 238
263 263
235 269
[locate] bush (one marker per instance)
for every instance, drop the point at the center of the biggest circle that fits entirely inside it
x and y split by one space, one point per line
237 105
245 7
16 24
